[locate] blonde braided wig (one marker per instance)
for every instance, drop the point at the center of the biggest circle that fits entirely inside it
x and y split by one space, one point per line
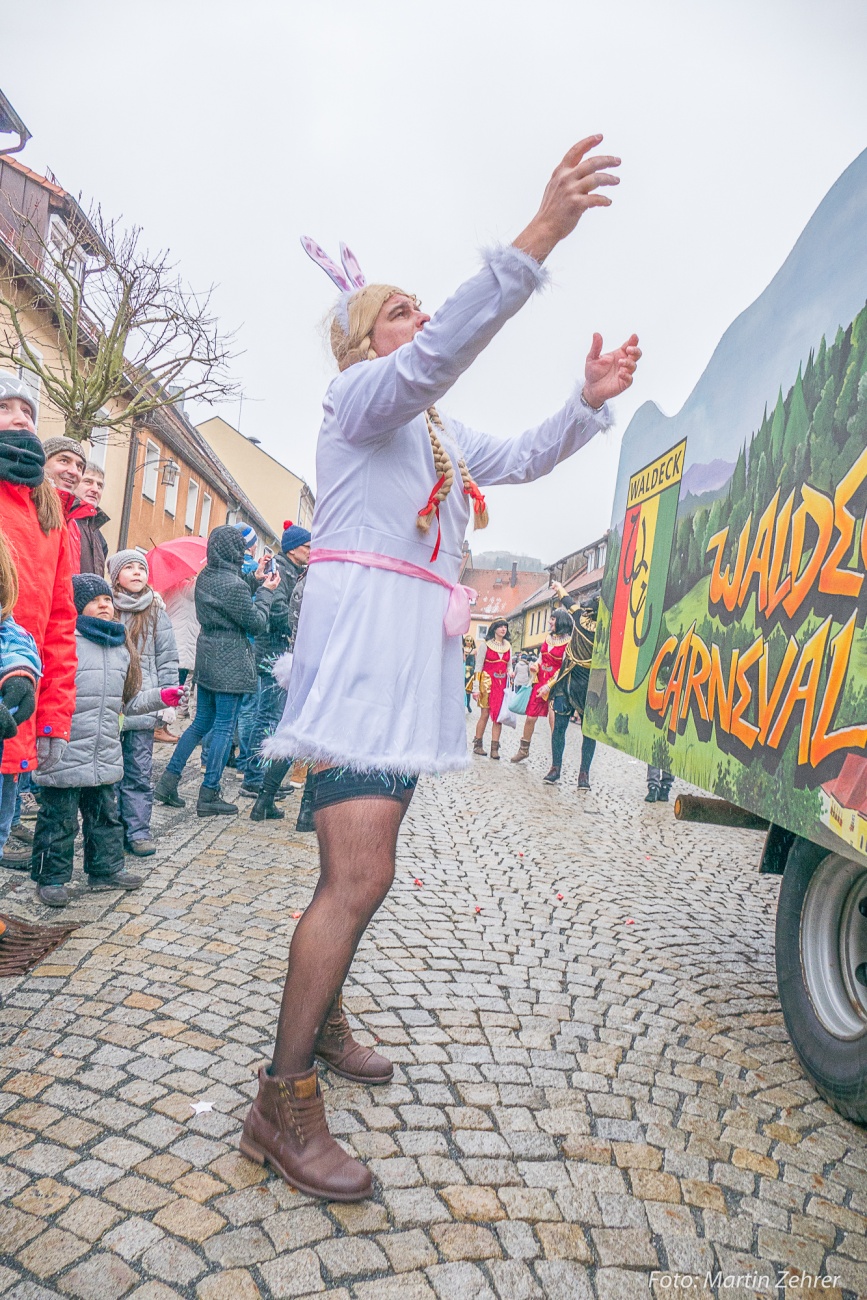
360 311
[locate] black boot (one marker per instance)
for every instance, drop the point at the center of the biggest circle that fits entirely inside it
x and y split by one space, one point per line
166 790
652 794
305 812
211 805
264 809
553 776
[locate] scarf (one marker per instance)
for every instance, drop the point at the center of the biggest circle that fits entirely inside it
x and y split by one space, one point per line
127 603
100 631
21 457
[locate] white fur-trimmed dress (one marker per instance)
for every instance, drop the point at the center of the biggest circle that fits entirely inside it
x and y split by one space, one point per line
356 698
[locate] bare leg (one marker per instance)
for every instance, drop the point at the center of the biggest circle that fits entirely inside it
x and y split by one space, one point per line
357 842
496 728
529 726
482 723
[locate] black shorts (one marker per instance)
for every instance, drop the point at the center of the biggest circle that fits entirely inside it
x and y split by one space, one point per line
337 784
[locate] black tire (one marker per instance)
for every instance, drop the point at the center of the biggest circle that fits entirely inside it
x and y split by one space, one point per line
822 1015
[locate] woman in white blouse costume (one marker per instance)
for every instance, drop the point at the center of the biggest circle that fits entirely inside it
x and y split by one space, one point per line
370 716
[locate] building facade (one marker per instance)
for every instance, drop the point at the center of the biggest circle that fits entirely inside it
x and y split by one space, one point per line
278 494
162 479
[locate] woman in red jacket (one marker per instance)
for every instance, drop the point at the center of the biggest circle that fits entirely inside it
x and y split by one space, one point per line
32 522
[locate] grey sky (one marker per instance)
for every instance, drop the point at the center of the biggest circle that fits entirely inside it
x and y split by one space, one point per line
418 133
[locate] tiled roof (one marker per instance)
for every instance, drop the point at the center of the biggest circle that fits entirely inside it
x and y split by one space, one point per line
497 598
586 579
540 596
34 176
850 787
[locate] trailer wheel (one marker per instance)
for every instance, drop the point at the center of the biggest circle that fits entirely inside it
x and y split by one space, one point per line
822 972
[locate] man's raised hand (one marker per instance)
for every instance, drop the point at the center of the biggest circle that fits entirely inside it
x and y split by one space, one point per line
608 374
568 194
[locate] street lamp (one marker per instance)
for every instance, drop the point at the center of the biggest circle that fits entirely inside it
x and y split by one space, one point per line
168 478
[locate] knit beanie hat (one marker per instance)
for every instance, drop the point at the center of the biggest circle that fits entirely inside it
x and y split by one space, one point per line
249 535
293 535
86 587
51 446
117 562
12 386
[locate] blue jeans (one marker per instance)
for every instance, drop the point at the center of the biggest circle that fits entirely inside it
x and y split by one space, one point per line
216 710
246 726
271 701
8 798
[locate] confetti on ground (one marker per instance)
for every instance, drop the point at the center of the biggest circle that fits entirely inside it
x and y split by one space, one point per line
560 897
478 909
419 883
200 1107
296 915
630 921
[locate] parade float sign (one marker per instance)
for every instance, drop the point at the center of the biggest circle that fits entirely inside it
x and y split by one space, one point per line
731 646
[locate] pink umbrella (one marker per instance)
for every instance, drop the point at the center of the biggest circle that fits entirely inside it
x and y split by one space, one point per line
174 562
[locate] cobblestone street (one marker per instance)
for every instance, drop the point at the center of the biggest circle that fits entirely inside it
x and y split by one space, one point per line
593 1079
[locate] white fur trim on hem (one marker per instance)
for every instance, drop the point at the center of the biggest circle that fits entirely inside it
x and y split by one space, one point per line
281 668
309 751
510 256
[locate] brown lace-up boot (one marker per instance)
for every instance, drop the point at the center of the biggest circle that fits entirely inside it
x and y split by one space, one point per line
286 1129
337 1049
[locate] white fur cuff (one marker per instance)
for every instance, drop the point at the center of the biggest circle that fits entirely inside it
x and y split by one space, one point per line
584 411
515 259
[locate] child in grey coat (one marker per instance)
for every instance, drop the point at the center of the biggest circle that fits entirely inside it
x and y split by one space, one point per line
144 616
85 776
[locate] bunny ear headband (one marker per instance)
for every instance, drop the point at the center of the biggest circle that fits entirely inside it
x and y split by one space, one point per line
347 283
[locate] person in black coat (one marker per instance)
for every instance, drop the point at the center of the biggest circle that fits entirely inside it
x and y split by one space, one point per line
229 615
271 699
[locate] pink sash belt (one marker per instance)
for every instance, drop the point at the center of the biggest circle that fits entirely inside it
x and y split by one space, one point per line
457 615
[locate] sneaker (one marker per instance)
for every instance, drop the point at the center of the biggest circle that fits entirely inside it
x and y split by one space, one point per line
52 895
250 791
141 848
583 780
652 795
163 736
16 857
29 807
122 879
552 777
22 833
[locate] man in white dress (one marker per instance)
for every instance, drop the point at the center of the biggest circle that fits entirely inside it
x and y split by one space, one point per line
395 482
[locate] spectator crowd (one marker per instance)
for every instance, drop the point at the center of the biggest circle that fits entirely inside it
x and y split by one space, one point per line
94 664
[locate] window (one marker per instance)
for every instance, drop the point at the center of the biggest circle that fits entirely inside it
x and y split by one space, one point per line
205 521
151 468
600 561
33 382
170 502
99 442
192 503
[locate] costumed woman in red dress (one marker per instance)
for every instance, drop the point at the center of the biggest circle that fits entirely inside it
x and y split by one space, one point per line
546 669
492 680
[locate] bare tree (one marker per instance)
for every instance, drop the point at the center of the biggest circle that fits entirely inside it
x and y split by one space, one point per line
128 330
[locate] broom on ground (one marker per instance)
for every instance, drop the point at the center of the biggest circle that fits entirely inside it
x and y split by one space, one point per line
23 946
